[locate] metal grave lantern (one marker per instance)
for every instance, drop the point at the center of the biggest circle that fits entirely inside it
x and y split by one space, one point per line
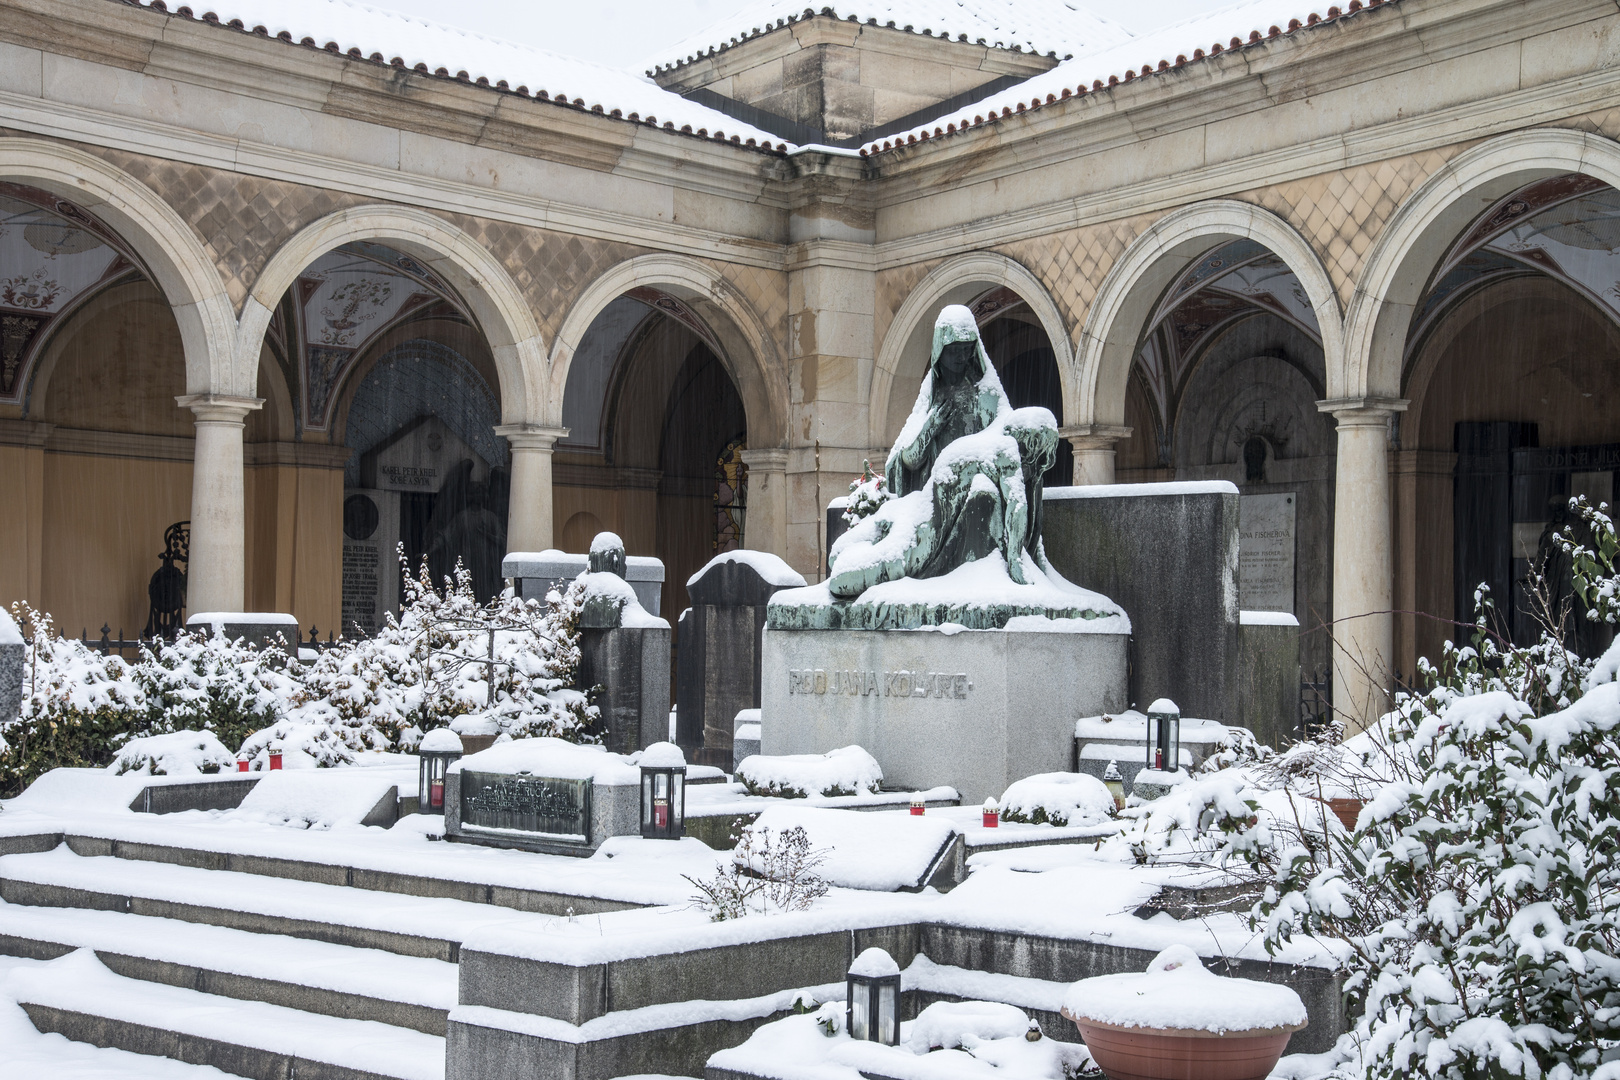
663 792
1115 783
1164 735
437 750
872 1001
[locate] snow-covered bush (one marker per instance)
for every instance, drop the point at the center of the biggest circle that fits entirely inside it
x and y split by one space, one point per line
867 492
849 770
767 874
1057 799
431 664
179 753
78 706
205 681
1479 899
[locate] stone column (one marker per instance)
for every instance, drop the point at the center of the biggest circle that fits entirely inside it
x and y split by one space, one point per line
217 572
528 517
1363 571
765 526
1094 451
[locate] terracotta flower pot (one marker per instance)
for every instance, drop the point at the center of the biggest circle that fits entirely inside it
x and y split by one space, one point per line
1346 810
1133 1053
471 744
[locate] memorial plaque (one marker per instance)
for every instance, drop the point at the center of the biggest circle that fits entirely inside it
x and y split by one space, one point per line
546 807
1266 552
370 577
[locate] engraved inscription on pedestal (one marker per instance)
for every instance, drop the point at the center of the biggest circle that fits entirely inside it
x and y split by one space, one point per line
857 683
549 807
1266 552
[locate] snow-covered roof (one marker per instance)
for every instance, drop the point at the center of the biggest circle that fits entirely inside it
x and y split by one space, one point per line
403 41
1048 27
1240 26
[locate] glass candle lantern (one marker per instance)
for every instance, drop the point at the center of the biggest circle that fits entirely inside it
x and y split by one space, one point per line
1115 783
1164 736
663 792
435 754
872 1002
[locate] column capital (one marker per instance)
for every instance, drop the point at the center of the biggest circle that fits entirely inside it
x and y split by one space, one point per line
531 436
1094 436
1364 410
768 458
219 408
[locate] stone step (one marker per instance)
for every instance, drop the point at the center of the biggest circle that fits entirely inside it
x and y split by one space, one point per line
314 976
416 926
537 901
80 998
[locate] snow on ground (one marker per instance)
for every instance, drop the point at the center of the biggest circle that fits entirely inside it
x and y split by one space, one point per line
30 1055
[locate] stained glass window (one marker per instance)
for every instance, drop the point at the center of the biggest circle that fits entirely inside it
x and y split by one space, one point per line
730 496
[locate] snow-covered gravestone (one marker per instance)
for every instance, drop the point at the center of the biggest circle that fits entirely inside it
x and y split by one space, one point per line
624 649
943 640
12 655
719 664
543 795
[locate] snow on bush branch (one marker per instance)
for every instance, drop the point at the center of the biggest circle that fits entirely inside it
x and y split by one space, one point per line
1478 900
443 656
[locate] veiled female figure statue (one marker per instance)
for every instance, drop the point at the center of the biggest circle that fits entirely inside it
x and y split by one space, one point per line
965 472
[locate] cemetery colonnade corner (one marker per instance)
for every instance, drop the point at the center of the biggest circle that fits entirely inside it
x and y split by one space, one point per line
620 279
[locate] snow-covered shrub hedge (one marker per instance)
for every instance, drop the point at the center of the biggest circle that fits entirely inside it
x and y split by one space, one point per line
205 681
427 666
849 770
1057 799
179 753
78 707
430 665
1479 898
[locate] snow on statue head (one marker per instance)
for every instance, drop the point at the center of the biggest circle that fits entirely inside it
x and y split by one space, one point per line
965 472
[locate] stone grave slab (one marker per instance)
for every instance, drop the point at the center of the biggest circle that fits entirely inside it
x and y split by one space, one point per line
542 795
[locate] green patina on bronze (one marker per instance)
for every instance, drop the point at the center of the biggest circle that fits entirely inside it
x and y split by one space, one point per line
985 501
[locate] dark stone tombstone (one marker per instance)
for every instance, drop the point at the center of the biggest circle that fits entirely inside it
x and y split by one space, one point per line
719 661
624 650
1168 554
13 654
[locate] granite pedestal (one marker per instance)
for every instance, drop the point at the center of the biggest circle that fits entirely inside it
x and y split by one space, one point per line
975 709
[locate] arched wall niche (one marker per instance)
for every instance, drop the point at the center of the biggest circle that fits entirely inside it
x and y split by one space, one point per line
749 351
902 359
1136 285
478 279
169 249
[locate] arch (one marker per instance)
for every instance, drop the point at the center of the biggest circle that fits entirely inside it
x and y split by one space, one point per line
1114 325
1404 256
747 347
171 249
956 281
478 277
